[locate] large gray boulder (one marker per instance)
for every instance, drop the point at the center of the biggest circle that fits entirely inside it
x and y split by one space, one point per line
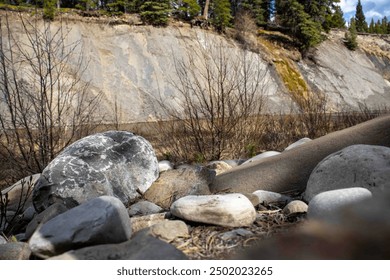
291 170
228 210
101 220
357 166
142 246
115 163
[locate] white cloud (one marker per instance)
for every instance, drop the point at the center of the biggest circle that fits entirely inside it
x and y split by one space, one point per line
372 8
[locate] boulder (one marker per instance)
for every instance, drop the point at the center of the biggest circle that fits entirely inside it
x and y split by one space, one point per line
142 246
169 230
294 207
360 166
229 210
261 156
15 251
2 240
298 143
101 220
326 205
359 230
219 166
48 214
144 207
291 170
164 165
268 197
115 163
141 222
174 184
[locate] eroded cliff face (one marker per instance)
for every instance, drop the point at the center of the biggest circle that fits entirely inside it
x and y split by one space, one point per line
134 66
351 78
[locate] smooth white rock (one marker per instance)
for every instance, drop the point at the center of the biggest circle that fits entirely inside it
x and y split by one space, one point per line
229 210
326 205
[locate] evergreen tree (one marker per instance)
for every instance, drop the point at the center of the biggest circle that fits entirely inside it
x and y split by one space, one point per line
188 9
221 16
384 25
49 9
371 27
351 36
337 18
155 12
255 8
360 19
292 15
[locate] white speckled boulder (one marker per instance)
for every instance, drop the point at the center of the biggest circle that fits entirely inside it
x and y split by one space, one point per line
115 163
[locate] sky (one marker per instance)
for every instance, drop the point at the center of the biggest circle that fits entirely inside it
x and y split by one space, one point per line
376 9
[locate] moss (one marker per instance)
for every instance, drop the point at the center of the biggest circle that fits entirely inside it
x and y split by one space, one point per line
288 72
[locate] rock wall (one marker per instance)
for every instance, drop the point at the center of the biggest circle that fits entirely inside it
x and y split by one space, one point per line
134 65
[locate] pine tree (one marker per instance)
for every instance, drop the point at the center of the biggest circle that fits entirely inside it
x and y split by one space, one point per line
221 14
49 9
337 18
371 27
255 8
292 15
155 12
351 36
360 19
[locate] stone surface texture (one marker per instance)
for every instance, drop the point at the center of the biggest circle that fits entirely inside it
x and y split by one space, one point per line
174 184
102 220
115 163
361 166
229 210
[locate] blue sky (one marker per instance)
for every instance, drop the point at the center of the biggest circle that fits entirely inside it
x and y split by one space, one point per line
376 9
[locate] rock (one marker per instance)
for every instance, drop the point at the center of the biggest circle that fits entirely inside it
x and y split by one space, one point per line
101 220
169 230
298 143
235 233
252 198
326 205
48 214
141 222
219 166
174 184
268 197
229 210
23 187
164 165
21 237
15 251
359 230
295 206
144 207
141 247
261 156
362 166
29 214
115 163
2 240
291 170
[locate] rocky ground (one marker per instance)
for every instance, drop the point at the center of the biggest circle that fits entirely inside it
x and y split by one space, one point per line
107 197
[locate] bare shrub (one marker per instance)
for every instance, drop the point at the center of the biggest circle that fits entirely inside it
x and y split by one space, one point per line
221 93
44 103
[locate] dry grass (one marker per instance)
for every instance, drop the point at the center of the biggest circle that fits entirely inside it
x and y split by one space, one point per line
206 242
